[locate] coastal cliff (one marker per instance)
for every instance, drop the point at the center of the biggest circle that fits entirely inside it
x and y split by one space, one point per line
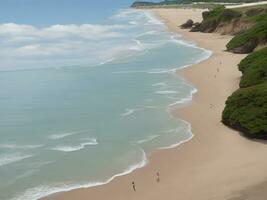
246 109
249 27
142 4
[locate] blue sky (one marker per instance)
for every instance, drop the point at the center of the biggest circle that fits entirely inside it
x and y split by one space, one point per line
47 12
38 33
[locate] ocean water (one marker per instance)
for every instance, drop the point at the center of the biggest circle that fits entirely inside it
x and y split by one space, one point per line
95 113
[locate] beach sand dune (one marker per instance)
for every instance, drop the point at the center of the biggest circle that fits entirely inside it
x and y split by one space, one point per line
217 163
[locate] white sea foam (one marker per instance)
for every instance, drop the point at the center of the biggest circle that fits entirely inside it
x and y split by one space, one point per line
133 22
162 71
66 134
147 139
191 135
150 107
109 60
37 165
172 131
125 13
184 100
152 19
139 46
6 159
162 84
60 135
152 71
19 146
147 33
130 111
25 174
183 42
78 147
207 53
166 92
43 191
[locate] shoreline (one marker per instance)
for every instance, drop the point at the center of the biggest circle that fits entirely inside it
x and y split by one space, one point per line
177 171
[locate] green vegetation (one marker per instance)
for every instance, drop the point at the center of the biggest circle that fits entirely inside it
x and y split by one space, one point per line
254 68
248 25
252 37
220 14
178 2
149 3
246 109
216 18
220 1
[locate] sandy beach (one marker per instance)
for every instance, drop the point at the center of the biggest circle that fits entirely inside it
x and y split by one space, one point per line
218 163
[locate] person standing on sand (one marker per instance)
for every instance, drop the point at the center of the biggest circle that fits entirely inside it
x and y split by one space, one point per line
133 186
158 179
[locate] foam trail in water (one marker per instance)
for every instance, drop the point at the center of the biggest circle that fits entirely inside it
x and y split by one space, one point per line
191 135
11 158
166 92
185 99
152 71
75 147
25 174
162 84
63 135
43 191
18 146
149 138
130 111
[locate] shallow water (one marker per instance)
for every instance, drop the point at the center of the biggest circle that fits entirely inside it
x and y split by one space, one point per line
82 124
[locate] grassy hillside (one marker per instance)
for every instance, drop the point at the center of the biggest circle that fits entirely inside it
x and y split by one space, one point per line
151 3
220 14
226 1
252 37
175 2
214 18
249 26
246 109
254 68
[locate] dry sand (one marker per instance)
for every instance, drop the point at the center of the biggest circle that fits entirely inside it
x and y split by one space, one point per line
217 163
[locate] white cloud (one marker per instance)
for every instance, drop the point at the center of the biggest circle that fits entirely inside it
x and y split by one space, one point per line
26 44
88 31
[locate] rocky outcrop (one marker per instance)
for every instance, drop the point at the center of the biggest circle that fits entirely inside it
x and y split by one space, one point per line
196 27
234 27
216 20
205 14
246 48
188 24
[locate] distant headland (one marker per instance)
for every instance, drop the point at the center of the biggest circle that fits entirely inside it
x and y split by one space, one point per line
171 3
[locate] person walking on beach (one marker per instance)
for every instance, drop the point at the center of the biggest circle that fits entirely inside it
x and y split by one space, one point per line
133 186
158 179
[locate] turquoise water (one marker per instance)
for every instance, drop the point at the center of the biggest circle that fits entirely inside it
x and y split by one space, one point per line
66 126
